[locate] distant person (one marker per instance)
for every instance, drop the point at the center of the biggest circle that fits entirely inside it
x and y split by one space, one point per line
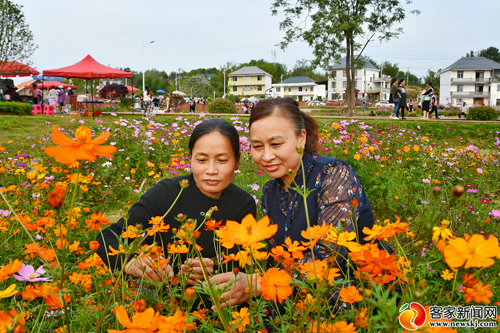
463 111
434 105
52 96
147 102
194 105
426 100
364 106
410 105
402 101
36 93
61 97
191 105
394 97
70 91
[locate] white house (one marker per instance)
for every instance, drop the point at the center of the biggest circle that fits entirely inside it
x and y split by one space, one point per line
249 81
368 84
473 80
301 88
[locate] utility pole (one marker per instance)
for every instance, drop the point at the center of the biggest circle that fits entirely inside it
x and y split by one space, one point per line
408 76
143 80
225 83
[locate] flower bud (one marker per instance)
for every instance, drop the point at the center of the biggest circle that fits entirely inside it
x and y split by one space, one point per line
350 213
189 293
343 220
181 216
458 190
139 306
290 172
236 270
184 183
436 190
299 150
56 197
417 295
354 203
304 291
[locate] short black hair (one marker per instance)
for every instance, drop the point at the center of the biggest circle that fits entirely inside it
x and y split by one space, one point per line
401 80
217 125
429 83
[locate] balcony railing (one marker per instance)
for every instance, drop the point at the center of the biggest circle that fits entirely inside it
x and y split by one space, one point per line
470 80
470 94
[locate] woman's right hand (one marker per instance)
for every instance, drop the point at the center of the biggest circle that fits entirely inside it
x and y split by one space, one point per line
144 267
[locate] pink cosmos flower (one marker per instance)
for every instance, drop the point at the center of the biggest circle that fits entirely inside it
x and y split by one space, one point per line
254 187
484 200
28 273
495 213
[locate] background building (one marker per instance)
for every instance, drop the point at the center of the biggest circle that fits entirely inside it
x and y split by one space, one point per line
249 81
368 84
301 88
474 80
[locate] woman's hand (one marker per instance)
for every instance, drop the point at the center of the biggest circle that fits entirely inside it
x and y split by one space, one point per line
236 294
192 267
145 268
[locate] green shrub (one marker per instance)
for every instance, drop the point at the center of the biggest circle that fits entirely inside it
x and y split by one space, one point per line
482 113
16 107
221 106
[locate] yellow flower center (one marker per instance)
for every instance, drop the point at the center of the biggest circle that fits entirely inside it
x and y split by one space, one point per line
32 276
83 133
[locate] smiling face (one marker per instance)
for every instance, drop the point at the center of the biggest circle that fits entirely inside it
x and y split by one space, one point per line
213 164
273 142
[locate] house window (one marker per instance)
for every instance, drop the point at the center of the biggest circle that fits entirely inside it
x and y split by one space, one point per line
300 88
334 74
460 88
289 89
259 88
278 89
355 84
246 88
355 72
460 74
344 84
259 77
334 85
235 78
498 102
235 88
498 87
246 78
344 73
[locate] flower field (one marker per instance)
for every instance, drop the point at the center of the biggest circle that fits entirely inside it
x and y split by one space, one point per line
434 190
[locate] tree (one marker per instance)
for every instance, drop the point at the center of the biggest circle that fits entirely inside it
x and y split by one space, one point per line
470 55
201 86
389 69
336 26
114 90
16 39
303 68
491 53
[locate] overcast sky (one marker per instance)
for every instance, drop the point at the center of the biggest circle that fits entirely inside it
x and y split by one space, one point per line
190 34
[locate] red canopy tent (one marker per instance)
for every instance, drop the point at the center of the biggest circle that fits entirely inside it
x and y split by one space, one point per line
14 68
88 68
45 85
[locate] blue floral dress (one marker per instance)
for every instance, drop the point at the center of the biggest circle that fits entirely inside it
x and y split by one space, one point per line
334 185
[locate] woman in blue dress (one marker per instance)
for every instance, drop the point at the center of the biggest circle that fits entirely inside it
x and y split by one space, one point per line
277 128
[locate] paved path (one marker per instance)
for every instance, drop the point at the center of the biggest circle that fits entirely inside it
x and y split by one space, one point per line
325 117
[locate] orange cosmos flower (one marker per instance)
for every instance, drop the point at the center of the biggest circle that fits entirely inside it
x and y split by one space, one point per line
469 280
275 285
97 221
478 294
474 252
362 319
378 232
177 249
56 197
295 248
173 324
84 148
51 294
350 295
10 269
341 327
281 256
241 319
247 233
143 322
131 232
32 292
317 233
12 321
212 225
374 265
94 245
322 269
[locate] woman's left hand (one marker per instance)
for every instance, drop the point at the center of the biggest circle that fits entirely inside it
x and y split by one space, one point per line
192 267
237 293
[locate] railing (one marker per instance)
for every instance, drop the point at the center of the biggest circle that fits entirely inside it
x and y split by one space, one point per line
470 80
470 94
